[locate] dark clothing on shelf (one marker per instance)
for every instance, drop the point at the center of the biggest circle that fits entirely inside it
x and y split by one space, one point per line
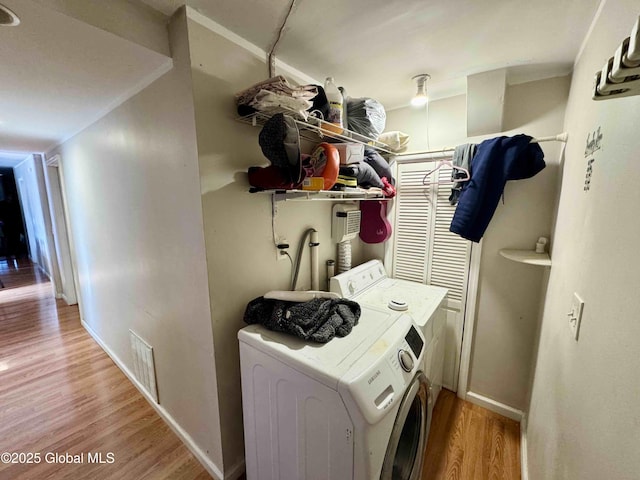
379 164
364 173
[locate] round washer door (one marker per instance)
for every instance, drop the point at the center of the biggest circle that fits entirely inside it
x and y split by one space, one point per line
405 452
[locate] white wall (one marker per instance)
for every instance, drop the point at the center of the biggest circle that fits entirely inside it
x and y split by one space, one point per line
507 312
441 124
30 182
241 257
509 293
132 189
584 418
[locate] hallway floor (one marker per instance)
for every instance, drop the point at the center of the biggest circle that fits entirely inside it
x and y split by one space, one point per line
60 393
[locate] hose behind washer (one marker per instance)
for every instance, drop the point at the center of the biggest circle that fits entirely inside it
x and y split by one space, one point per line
296 269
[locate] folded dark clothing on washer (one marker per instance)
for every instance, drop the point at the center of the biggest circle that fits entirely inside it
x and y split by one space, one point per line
318 320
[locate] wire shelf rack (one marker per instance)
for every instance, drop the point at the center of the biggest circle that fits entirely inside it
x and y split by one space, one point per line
314 128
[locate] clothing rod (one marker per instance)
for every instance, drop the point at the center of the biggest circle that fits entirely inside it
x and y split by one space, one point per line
561 137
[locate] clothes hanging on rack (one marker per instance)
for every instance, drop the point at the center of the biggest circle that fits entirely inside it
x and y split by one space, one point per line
496 161
462 156
461 174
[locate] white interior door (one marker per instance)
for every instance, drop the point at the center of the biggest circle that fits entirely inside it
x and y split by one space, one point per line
425 251
66 289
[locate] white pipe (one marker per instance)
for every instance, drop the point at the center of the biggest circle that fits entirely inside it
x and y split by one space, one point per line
313 246
331 271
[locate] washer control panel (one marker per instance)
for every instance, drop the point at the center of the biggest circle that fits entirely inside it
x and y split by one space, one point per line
379 378
406 360
358 279
403 357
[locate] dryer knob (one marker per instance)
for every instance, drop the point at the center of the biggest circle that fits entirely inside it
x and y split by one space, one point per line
352 287
406 362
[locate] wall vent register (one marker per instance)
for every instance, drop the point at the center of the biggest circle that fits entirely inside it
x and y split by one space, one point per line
144 368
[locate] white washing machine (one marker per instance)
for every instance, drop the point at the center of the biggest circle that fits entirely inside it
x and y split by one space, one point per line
353 408
368 284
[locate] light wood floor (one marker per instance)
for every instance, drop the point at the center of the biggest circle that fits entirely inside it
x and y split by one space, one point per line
468 442
60 393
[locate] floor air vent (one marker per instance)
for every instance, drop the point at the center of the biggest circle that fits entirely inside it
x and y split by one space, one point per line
143 366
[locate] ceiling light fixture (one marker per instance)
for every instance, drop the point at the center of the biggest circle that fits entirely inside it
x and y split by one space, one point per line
420 98
7 17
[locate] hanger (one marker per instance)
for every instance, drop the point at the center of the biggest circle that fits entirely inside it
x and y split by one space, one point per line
441 164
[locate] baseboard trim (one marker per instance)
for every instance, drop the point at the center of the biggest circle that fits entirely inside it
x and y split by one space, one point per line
66 300
524 460
43 270
206 462
494 406
236 471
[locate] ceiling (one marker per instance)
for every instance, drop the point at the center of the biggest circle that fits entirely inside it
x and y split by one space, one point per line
59 75
374 47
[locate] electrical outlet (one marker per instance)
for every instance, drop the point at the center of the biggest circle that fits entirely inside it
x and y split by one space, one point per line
280 252
575 315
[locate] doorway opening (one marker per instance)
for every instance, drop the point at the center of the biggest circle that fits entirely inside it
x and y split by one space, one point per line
14 245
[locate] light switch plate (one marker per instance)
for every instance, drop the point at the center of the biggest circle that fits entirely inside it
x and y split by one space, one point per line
575 315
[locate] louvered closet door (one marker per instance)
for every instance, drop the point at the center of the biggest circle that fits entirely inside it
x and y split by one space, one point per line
412 224
426 252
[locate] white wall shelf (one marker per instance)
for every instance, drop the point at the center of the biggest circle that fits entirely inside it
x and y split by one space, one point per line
326 195
527 256
314 128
